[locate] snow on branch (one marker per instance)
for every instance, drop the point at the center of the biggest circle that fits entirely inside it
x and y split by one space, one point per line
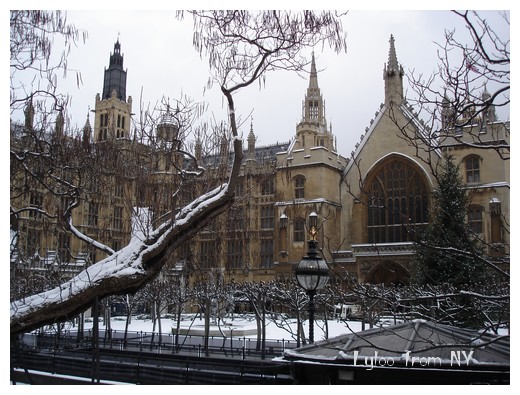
126 269
90 240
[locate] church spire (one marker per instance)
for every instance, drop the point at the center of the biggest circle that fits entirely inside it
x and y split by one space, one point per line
313 80
393 76
29 114
312 131
251 140
198 148
250 162
87 132
489 114
313 106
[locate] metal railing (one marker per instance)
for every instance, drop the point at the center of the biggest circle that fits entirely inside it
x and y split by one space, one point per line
234 347
138 367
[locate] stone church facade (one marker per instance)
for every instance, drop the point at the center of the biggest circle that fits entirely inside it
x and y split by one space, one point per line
388 183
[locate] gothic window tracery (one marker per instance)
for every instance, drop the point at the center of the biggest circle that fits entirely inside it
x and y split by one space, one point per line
397 198
313 109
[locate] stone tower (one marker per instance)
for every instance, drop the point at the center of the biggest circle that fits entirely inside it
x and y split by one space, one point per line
113 109
312 131
307 182
115 75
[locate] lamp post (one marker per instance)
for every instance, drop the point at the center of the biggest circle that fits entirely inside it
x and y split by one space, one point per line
312 273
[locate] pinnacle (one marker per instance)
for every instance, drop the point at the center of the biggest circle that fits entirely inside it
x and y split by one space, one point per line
393 65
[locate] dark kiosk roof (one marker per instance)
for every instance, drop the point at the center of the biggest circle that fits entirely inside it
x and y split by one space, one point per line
401 342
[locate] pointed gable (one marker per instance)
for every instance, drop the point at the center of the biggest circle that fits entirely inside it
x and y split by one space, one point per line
393 123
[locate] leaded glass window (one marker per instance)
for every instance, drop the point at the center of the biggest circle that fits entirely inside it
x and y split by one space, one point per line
397 198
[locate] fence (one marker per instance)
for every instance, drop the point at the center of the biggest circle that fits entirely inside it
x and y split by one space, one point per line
235 347
138 367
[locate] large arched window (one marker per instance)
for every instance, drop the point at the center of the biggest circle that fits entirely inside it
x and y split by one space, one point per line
397 200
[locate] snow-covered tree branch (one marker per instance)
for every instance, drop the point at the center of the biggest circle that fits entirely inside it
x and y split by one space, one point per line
239 55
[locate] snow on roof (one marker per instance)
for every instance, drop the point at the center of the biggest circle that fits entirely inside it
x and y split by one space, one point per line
438 343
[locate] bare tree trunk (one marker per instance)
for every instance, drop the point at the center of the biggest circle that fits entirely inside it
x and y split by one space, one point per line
326 334
178 324
95 341
149 255
263 326
159 322
301 333
81 326
298 329
154 320
128 319
207 314
108 320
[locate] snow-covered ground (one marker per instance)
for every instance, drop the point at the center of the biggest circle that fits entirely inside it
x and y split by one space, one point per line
242 323
237 323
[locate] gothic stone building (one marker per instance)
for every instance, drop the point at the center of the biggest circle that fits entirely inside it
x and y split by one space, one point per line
386 186
366 205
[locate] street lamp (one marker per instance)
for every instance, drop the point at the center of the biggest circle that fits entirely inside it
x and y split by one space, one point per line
312 273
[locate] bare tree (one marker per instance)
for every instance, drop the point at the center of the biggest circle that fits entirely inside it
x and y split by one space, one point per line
459 101
472 80
156 295
129 301
241 47
34 63
290 295
257 295
208 292
452 110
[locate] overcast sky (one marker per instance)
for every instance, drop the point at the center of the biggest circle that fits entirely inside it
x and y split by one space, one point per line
161 61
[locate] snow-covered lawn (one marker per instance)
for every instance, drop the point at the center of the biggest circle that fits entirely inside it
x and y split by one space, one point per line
237 323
